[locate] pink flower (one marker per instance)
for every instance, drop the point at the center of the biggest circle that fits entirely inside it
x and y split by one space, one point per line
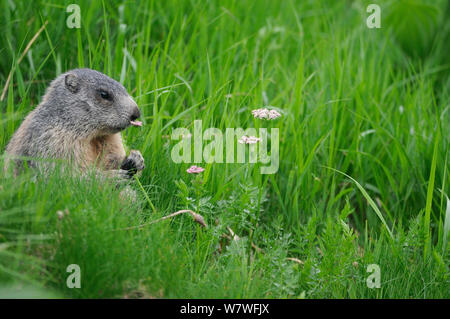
195 169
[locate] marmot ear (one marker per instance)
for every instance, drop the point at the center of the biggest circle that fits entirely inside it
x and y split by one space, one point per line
72 83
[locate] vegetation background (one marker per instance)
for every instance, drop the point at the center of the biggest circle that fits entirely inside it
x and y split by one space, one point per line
364 150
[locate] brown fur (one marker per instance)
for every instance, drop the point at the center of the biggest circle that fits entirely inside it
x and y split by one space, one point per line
105 151
79 120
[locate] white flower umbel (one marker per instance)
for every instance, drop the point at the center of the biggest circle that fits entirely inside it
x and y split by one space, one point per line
249 140
265 114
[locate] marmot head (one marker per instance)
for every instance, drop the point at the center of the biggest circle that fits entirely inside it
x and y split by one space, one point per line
91 102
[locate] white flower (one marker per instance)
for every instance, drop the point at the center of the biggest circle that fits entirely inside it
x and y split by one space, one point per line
260 113
273 114
249 140
265 114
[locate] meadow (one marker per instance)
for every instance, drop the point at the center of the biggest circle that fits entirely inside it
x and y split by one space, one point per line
364 137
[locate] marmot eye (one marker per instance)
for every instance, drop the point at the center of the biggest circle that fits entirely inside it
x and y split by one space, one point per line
105 95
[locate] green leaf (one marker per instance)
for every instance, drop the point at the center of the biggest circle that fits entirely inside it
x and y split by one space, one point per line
368 198
430 196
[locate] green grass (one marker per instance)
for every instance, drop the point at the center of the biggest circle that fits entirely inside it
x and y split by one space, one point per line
364 152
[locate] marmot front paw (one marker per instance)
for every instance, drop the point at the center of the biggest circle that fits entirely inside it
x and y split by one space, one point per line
133 163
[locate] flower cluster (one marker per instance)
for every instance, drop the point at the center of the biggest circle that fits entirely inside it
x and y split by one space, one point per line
249 140
266 114
262 113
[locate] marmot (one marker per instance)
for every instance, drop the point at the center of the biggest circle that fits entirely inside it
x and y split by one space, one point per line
79 120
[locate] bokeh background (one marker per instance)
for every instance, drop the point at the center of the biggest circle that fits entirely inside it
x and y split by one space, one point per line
364 150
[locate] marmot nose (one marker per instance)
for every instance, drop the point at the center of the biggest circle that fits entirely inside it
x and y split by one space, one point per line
136 114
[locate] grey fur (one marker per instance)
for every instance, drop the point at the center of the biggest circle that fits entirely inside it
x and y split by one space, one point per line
79 120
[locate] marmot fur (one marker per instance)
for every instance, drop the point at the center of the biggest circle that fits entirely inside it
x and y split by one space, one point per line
79 120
